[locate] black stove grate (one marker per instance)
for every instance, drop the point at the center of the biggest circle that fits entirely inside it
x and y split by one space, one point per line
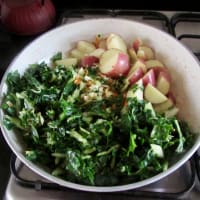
143 14
42 185
185 17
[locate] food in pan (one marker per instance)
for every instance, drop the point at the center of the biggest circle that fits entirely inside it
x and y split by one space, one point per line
103 114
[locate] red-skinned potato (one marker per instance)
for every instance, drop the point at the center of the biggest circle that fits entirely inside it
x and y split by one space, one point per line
75 53
145 53
171 112
114 63
133 55
163 82
102 44
153 95
67 62
115 41
88 61
135 76
137 43
162 107
157 71
149 77
168 104
97 52
153 63
137 64
136 72
171 96
85 46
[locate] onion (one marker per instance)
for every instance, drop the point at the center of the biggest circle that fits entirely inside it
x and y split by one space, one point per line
27 17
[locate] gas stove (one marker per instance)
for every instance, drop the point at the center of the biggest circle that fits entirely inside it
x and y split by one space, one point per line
184 183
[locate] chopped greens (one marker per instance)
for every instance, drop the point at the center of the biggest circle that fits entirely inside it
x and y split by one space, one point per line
76 122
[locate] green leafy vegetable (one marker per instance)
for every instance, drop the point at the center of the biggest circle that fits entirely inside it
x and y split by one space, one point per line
75 123
57 56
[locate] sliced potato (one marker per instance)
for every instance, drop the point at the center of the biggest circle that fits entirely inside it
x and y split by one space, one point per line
153 63
153 95
114 63
88 61
75 53
114 41
137 43
145 53
85 46
97 52
163 82
133 55
102 44
67 62
160 108
171 112
136 65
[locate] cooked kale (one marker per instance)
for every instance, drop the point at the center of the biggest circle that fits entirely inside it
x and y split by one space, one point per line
77 124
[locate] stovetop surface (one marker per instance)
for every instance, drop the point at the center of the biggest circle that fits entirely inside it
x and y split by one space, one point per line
25 184
11 45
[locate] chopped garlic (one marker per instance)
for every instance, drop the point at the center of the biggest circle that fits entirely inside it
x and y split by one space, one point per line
81 71
87 78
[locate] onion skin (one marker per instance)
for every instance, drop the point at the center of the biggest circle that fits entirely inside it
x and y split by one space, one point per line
27 18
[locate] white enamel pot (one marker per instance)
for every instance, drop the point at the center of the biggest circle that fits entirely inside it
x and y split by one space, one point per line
183 65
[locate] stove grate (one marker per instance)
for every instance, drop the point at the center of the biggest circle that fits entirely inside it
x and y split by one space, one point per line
143 14
185 18
42 185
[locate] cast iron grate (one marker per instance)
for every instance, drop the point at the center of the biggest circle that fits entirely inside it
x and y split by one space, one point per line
42 185
185 17
144 15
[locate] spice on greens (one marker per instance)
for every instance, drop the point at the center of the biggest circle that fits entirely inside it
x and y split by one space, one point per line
76 122
92 118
